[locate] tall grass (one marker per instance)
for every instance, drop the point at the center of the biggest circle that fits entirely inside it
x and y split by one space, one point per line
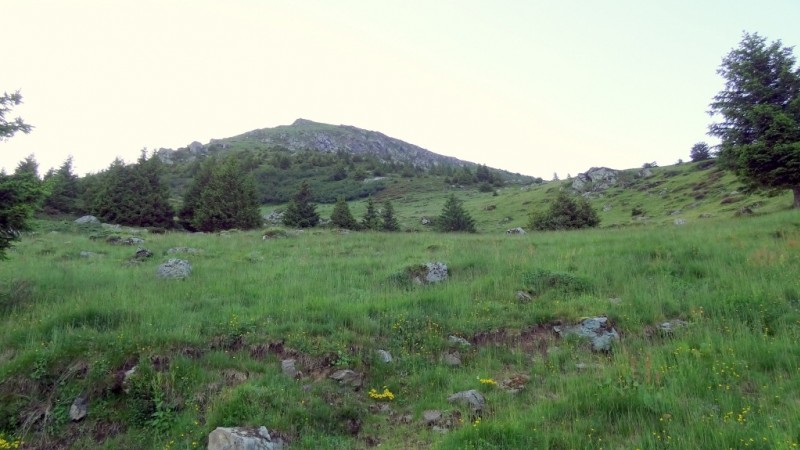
727 379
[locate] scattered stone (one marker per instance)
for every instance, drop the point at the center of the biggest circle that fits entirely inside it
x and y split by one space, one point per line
274 234
234 377
705 216
288 368
584 366
437 271
506 220
241 438
347 377
680 222
595 179
670 326
471 397
452 359
385 356
596 329
79 409
745 211
615 300
517 230
607 208
431 417
275 217
524 297
184 250
118 240
515 384
425 221
126 376
675 212
87 220
142 253
175 268
87 254
456 340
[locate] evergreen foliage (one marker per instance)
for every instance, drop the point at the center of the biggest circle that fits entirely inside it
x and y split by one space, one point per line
64 190
567 212
760 107
8 127
19 196
342 217
387 217
301 212
454 217
700 152
221 199
134 194
371 220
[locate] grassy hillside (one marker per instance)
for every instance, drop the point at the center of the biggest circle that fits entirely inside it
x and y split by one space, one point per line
207 350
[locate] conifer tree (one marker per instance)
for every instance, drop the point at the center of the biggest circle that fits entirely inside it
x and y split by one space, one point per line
454 217
301 212
191 199
64 190
389 220
371 220
341 216
19 195
228 200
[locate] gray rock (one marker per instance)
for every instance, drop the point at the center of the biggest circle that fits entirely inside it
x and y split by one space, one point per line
85 254
431 417
347 377
385 356
175 269
241 438
87 220
670 326
471 397
607 208
680 222
705 216
595 329
515 384
459 341
275 217
79 409
142 253
595 179
437 271
517 230
425 221
288 368
452 359
523 297
184 250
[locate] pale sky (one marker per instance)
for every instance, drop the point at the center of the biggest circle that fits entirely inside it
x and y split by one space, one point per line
533 86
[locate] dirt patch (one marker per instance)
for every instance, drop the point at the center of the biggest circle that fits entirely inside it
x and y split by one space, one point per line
316 367
531 340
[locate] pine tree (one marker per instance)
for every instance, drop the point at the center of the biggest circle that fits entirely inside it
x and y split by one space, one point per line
19 195
64 190
454 217
341 216
301 212
221 199
389 220
371 221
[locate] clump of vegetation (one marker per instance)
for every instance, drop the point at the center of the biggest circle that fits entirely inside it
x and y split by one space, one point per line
539 281
342 217
301 212
454 217
566 212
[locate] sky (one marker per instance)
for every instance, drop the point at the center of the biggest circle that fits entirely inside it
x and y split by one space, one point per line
530 86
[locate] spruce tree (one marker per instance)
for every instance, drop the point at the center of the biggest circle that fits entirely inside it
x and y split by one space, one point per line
371 220
454 217
64 190
221 199
191 198
389 220
301 212
341 216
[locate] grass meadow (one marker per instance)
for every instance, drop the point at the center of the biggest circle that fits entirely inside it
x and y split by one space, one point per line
207 349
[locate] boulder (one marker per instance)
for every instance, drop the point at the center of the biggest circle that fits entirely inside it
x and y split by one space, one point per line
431 417
275 217
472 398
175 268
670 326
142 253
189 250
524 297
241 438
425 221
458 341
79 409
517 230
595 179
348 377
437 271
680 222
385 356
288 369
87 220
596 329
452 359
85 254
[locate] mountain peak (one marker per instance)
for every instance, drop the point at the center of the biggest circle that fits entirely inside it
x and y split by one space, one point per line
301 121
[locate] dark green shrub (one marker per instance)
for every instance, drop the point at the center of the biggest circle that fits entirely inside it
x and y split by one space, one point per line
565 213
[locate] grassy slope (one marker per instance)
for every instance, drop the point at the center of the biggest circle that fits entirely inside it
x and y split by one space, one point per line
729 379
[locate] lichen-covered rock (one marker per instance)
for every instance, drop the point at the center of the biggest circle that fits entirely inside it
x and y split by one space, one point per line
175 269
288 368
517 230
87 220
472 398
348 377
79 409
437 272
596 329
241 438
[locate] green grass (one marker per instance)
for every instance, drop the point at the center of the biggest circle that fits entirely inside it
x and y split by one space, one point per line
729 379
